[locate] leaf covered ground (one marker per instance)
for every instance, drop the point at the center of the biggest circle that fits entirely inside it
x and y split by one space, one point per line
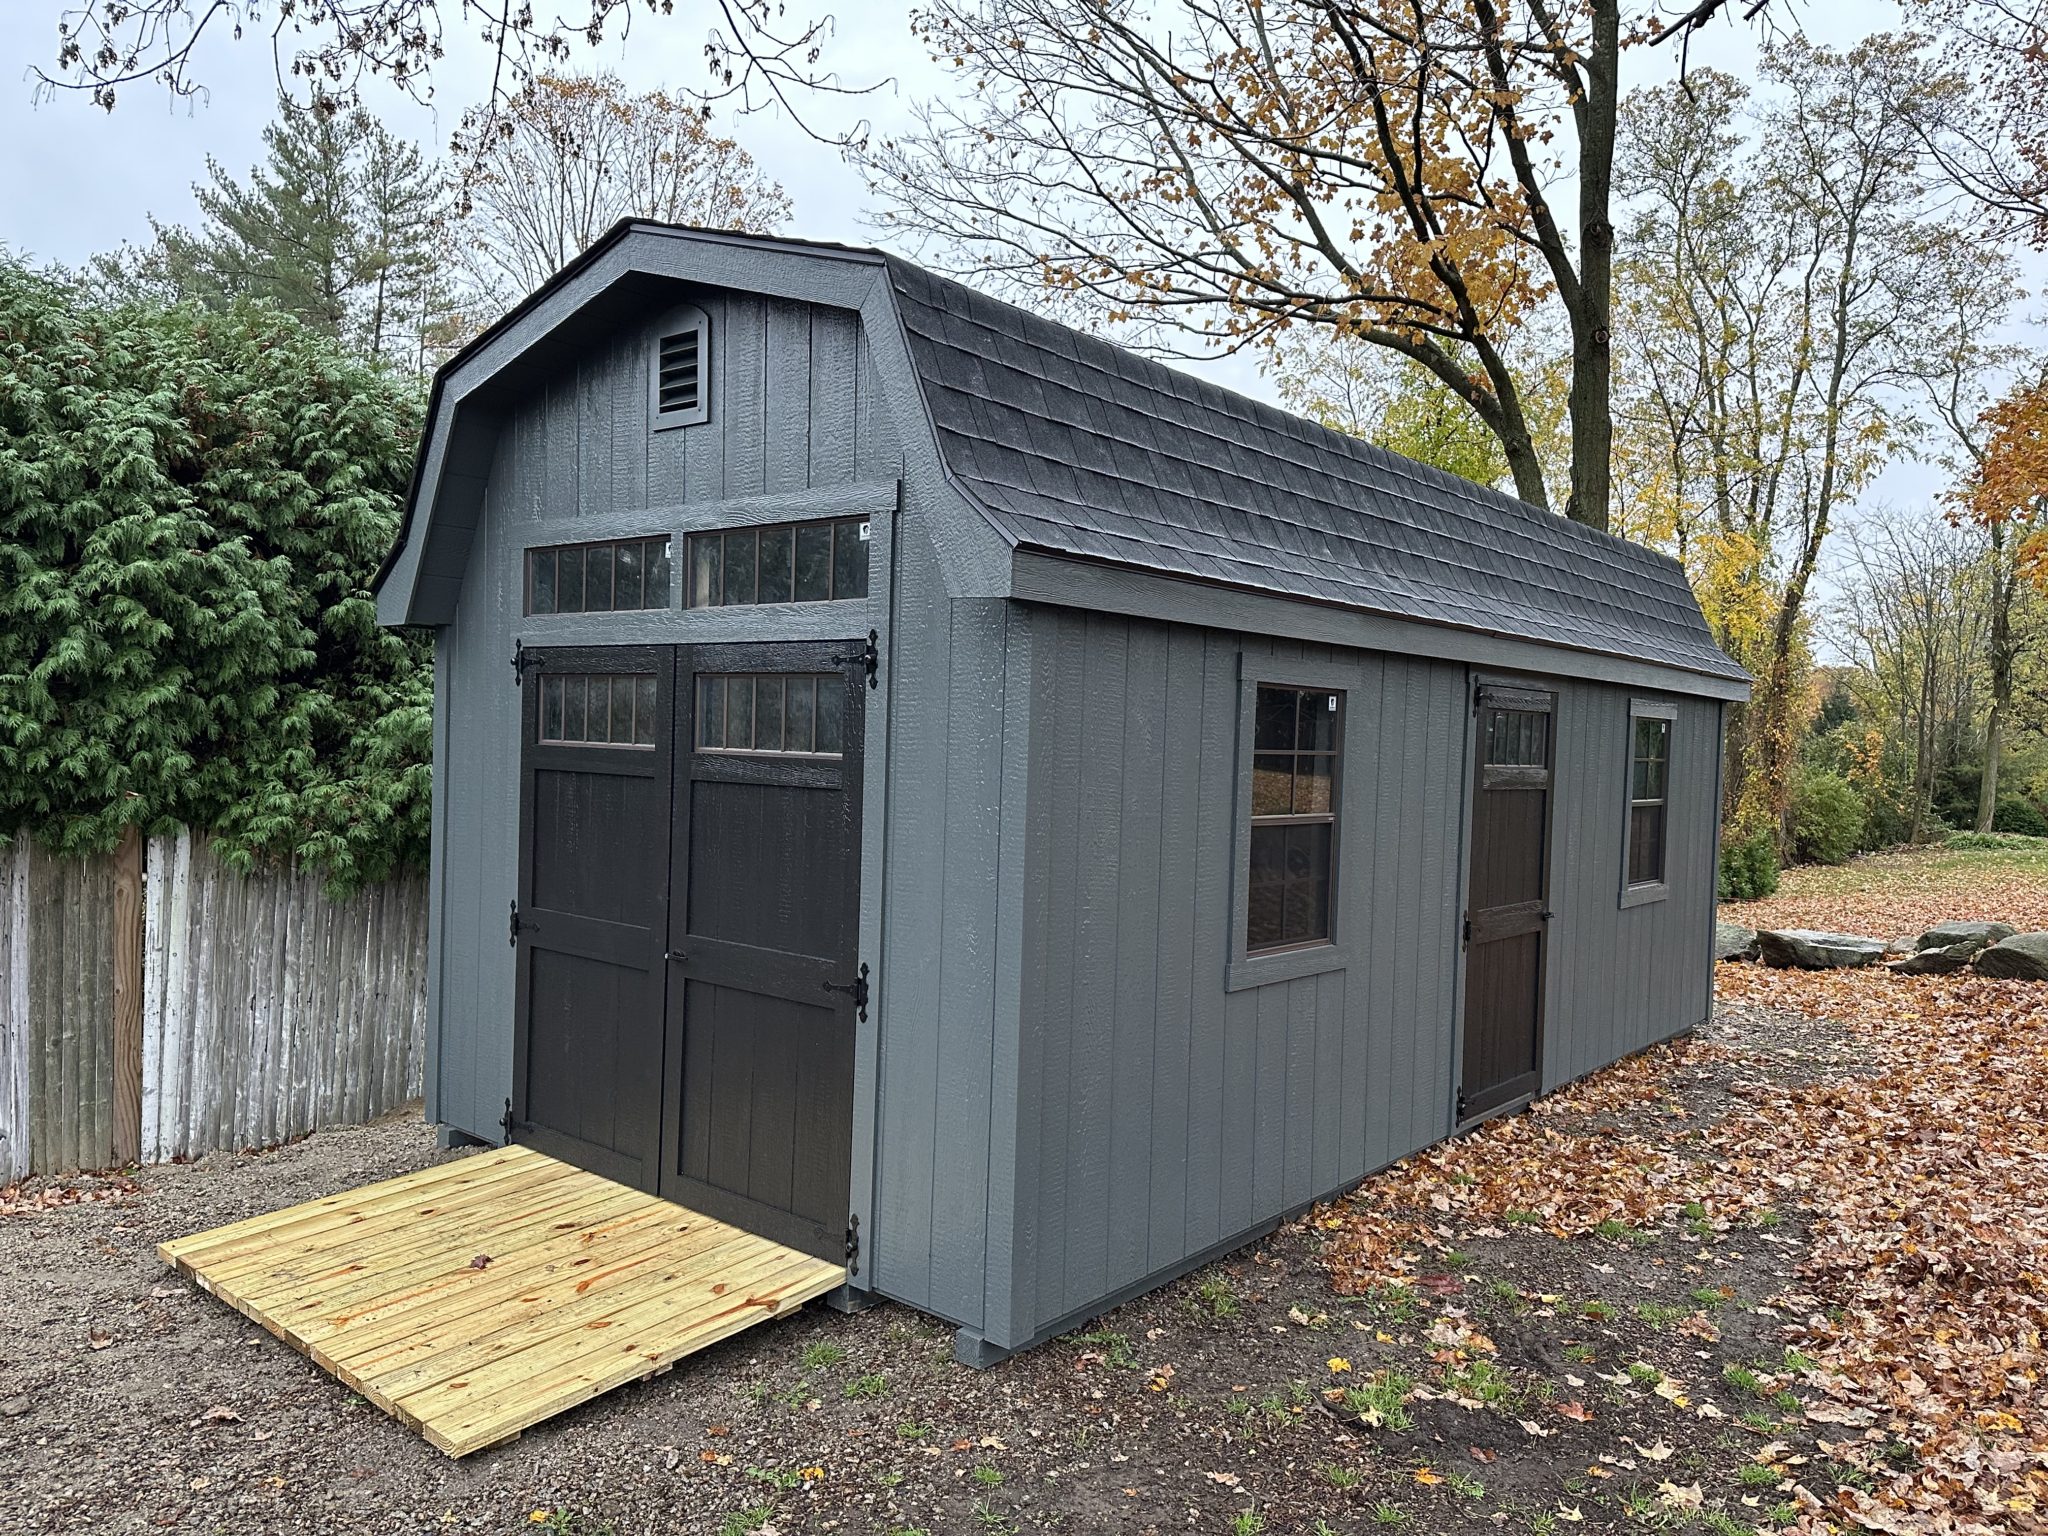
1786 1275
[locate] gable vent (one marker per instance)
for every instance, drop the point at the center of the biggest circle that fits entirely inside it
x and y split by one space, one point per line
679 387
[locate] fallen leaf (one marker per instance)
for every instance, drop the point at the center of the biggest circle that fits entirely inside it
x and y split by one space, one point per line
98 1339
1480 1454
1227 1479
481 1261
1426 1477
1576 1411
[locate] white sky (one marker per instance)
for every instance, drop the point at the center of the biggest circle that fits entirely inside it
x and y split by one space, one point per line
75 180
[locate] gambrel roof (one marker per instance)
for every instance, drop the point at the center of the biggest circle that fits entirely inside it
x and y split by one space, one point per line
1078 450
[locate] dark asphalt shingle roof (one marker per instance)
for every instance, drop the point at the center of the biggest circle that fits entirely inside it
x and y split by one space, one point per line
1077 447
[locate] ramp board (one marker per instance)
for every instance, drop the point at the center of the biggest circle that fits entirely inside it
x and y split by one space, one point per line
585 1285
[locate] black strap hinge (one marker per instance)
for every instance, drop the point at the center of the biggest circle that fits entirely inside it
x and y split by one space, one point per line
869 656
508 1122
521 924
857 989
522 658
853 1245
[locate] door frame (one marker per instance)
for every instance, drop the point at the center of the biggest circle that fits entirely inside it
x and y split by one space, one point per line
536 663
847 777
1476 683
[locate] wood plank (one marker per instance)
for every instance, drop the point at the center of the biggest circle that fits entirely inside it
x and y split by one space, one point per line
591 1285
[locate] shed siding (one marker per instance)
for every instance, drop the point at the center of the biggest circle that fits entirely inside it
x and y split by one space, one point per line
1161 1114
578 449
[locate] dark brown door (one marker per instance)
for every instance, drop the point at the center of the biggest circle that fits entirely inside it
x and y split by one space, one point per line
765 982
1507 912
596 750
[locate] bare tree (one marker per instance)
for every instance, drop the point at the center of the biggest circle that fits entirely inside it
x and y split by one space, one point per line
572 155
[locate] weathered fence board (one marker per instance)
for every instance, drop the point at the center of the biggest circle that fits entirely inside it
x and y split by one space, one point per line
266 1009
269 1009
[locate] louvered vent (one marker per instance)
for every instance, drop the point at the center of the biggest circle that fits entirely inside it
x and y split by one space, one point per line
678 385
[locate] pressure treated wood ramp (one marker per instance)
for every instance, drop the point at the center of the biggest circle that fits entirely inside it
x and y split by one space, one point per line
588 1285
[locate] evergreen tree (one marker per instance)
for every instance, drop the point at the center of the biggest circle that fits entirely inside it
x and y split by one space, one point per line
337 227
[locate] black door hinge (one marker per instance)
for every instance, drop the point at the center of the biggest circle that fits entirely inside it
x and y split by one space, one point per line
508 1122
857 989
869 656
853 1245
522 658
1468 928
521 925
1461 1107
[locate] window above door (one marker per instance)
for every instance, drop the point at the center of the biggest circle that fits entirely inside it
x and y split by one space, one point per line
814 562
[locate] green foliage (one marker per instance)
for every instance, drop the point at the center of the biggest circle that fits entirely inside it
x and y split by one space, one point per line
1826 817
1990 842
192 504
1749 867
2019 816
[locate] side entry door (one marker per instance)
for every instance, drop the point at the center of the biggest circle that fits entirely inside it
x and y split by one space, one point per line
764 984
1507 914
595 755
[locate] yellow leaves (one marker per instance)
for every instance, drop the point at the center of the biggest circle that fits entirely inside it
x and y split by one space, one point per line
1427 1478
1338 1363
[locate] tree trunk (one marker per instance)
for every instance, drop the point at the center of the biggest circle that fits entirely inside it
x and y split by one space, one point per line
1592 316
2003 581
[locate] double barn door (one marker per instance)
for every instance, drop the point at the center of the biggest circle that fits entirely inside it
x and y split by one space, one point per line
687 926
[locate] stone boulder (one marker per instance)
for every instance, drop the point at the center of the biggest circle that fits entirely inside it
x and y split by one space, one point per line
1732 941
1811 949
1948 947
2023 957
1941 960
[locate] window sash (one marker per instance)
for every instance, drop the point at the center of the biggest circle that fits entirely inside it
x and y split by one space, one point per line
769 564
1292 857
1649 788
608 576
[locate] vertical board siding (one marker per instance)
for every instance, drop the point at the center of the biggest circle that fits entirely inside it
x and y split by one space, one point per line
14 1010
270 1009
69 964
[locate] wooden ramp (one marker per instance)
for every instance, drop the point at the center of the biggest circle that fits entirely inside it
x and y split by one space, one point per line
588 1285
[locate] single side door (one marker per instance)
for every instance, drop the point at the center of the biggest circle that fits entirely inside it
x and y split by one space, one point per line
765 981
595 756
1507 904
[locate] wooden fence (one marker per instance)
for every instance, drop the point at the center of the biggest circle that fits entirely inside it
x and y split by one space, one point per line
155 1004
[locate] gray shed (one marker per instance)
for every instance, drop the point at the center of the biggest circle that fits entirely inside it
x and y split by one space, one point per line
970 799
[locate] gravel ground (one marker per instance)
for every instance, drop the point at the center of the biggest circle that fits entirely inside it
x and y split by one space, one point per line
131 1402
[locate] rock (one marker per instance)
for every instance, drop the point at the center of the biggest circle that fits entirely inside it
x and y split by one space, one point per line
2023 957
1813 950
13 1407
1732 941
1976 935
1938 961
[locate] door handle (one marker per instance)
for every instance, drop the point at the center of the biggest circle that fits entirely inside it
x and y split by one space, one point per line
674 954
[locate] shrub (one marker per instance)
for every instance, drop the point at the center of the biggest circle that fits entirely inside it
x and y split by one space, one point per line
1827 818
2016 813
1749 867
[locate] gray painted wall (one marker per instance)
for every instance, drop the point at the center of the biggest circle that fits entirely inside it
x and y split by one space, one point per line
1160 1113
798 429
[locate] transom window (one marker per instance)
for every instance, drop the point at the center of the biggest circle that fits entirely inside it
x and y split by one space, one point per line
781 563
599 709
608 577
783 712
1649 772
1295 752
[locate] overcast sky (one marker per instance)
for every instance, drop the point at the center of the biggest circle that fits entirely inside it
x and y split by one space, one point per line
75 180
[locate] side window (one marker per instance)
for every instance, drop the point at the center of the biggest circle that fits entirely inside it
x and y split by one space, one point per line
1649 794
1295 790
781 563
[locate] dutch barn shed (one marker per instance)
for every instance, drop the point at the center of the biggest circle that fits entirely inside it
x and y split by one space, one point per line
966 798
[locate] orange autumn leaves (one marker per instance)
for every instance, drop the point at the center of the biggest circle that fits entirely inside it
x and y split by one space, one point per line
2011 486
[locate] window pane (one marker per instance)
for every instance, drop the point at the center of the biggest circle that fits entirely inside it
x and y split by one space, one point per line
1652 737
775 558
1307 911
1518 738
1316 731
1267 893
1272 783
768 714
800 711
569 581
598 709
849 559
597 579
542 590
643 711
628 578
1646 844
813 563
1312 781
710 711
658 576
739 568
622 711
550 709
831 713
739 713
573 694
704 553
1273 730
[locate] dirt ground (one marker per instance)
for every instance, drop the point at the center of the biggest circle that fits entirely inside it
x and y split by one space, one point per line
1524 1383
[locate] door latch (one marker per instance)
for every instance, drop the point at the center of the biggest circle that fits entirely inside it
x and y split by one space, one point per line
857 989
869 656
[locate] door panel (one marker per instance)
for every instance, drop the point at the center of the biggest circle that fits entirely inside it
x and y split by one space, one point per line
593 890
1507 914
764 931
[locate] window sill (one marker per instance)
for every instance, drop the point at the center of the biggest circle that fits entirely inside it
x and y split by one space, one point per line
1248 971
1643 895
